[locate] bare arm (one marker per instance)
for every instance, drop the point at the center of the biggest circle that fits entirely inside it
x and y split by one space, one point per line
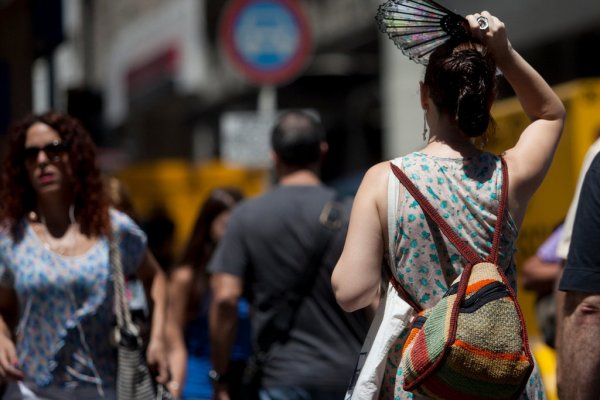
8 355
223 319
155 283
530 159
357 275
180 287
540 276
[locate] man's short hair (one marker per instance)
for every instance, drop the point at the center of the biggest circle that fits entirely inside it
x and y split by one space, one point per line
297 137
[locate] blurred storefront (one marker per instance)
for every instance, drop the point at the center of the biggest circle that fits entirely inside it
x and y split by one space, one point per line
167 85
167 81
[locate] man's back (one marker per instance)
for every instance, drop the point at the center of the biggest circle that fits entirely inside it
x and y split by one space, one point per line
271 242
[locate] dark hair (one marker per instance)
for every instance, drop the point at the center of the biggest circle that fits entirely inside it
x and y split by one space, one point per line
201 245
461 80
17 197
297 137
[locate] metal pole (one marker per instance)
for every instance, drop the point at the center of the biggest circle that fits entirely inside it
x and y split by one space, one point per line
267 100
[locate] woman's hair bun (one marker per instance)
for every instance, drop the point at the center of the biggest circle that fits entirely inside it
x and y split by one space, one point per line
462 83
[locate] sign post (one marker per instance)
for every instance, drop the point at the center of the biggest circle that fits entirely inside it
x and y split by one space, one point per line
268 42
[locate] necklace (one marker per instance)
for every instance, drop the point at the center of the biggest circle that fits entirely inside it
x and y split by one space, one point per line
66 242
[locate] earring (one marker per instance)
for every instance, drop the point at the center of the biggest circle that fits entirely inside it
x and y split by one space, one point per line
425 125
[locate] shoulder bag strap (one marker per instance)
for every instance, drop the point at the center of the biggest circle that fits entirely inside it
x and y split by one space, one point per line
331 220
122 312
464 248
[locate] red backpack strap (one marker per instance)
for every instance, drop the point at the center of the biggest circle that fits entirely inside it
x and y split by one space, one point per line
493 257
463 247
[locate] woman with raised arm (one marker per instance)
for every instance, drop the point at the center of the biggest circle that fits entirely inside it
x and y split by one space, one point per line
458 178
56 291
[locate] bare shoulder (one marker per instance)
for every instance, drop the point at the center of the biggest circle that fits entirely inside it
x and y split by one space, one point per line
374 186
374 183
377 175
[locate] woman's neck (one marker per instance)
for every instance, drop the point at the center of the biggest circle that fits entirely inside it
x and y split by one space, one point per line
56 216
442 148
446 140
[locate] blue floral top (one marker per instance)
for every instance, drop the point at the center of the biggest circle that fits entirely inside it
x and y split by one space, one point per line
66 305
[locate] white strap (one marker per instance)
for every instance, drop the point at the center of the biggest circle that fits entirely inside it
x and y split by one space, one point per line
394 189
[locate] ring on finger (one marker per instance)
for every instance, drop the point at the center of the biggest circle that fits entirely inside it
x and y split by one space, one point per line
483 23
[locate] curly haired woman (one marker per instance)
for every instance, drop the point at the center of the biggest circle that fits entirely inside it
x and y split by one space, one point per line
56 292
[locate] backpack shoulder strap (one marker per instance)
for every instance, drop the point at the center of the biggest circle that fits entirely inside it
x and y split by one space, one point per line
463 247
493 257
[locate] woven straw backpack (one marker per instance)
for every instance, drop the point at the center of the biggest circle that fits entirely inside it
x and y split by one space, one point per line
473 343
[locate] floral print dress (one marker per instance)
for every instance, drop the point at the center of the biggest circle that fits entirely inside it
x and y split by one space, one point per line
465 191
66 307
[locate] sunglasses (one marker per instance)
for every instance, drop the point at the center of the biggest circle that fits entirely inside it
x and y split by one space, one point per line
52 150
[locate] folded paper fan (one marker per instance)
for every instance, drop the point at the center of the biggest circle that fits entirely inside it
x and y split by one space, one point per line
418 27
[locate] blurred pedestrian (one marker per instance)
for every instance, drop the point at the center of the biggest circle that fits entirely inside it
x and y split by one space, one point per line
160 229
277 245
461 181
540 274
562 249
119 196
565 363
189 298
579 307
54 267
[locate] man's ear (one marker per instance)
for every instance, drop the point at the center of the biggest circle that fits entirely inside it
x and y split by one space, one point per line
274 157
324 148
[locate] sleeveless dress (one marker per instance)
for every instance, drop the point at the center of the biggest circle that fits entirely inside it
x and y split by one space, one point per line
466 192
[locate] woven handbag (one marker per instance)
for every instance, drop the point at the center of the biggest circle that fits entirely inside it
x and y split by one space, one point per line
473 343
134 380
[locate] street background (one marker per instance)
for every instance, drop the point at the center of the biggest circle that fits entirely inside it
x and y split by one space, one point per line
179 95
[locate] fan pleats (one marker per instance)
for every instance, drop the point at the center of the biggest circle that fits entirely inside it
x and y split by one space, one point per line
416 26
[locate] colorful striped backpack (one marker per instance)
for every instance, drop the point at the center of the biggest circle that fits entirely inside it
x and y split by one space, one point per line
473 343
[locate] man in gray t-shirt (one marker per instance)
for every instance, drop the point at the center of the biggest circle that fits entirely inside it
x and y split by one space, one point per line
276 248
